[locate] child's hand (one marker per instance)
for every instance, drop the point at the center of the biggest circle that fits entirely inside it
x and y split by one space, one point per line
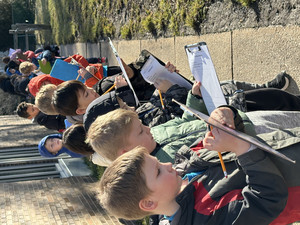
169 66
162 85
44 61
120 82
221 141
196 88
224 115
91 69
82 72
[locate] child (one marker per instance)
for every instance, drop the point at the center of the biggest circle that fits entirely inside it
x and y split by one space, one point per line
43 99
69 97
44 102
72 98
137 185
31 111
28 69
163 140
74 139
52 146
151 113
37 82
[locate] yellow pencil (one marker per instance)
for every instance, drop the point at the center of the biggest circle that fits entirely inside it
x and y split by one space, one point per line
109 89
221 160
161 99
223 165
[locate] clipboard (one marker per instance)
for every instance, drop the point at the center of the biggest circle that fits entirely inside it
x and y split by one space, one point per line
123 70
153 70
203 70
65 71
45 68
235 133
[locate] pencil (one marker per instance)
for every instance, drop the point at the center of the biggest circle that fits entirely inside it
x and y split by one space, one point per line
221 160
109 89
223 165
161 99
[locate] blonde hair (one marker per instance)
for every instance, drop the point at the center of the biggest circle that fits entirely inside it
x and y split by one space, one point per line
43 99
123 185
26 67
108 134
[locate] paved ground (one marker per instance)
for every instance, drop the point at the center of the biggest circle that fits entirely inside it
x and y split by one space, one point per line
54 202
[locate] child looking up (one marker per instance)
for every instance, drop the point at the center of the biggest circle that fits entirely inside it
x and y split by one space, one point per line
51 146
74 139
137 185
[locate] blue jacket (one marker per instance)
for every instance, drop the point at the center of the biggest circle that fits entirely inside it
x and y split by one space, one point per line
44 152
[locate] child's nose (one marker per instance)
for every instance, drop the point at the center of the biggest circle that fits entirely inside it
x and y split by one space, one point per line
169 166
147 129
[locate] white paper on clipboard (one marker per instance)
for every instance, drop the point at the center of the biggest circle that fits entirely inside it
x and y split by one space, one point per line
123 70
153 70
203 70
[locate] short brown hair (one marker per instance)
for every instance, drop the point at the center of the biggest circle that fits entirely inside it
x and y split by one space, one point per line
43 99
5 59
65 98
74 139
109 132
123 185
26 67
22 110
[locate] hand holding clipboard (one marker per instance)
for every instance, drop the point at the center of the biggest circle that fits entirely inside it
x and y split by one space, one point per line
233 132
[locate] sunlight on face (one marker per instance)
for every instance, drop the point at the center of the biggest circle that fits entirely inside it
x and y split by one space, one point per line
161 179
86 97
53 145
140 135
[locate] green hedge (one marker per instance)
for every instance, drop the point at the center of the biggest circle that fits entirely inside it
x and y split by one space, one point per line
91 20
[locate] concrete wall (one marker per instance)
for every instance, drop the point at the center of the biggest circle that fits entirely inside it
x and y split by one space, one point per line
253 55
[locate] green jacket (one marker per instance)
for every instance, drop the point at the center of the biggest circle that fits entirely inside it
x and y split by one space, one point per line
172 135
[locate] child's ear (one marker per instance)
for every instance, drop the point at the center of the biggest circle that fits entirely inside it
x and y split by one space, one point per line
80 111
147 204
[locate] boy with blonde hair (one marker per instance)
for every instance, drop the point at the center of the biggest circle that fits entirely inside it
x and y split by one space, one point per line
110 134
137 185
124 127
43 99
27 68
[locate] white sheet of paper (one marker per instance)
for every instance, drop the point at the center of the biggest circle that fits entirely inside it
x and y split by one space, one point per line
204 71
153 70
123 70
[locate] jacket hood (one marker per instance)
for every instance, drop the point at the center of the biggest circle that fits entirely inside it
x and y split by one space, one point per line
36 82
44 152
100 106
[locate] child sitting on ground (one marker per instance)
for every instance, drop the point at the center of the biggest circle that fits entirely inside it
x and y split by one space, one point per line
31 111
51 146
137 185
28 69
73 98
37 82
43 99
74 139
150 113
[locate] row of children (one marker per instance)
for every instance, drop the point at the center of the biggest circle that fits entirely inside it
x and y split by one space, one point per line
67 104
141 181
254 192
